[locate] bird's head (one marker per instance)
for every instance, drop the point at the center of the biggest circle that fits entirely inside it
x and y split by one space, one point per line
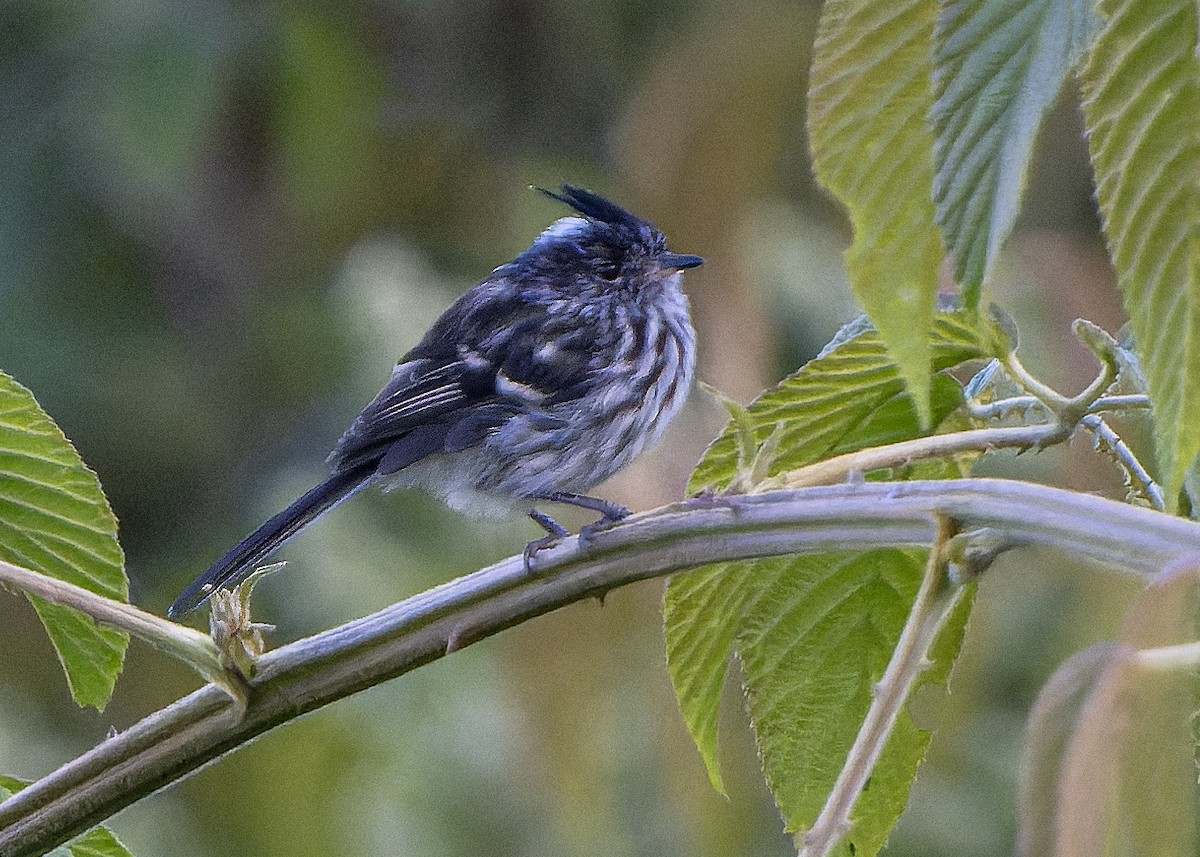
604 246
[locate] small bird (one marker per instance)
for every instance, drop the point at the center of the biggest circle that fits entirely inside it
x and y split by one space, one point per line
537 384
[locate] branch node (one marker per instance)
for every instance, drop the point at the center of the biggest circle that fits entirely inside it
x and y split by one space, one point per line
970 553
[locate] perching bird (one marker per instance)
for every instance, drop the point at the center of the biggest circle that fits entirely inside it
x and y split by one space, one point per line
535 385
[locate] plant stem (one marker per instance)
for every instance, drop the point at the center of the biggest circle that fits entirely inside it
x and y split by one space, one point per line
315 671
1183 656
1139 478
935 599
836 469
1048 396
1131 401
1002 407
190 646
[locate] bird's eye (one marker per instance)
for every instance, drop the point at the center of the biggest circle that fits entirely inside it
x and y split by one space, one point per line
609 272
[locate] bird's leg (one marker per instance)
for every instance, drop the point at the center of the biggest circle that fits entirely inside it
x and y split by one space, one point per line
610 512
551 526
554 530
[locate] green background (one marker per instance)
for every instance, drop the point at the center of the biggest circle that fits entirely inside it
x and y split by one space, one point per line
220 224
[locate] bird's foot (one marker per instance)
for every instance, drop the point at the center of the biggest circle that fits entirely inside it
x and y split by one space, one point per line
555 532
614 515
531 551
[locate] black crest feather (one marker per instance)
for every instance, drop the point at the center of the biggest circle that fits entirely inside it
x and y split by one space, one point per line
594 207
623 228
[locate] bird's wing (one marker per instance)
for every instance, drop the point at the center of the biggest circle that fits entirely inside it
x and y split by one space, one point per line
465 380
416 409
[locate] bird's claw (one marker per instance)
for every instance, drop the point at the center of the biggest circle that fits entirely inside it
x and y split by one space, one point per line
587 533
531 551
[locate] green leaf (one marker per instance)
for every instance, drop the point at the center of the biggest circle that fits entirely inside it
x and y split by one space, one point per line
881 805
749 451
811 652
850 397
999 66
54 519
97 842
870 91
702 615
814 635
1142 109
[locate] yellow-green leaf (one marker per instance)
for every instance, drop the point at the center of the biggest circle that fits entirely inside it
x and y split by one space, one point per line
999 67
55 519
814 634
99 842
848 398
1142 109
702 615
870 92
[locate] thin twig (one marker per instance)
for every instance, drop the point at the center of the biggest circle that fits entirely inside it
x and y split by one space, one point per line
1101 343
188 645
1003 407
1139 478
837 469
1068 410
935 599
1048 396
313 672
1128 402
1177 658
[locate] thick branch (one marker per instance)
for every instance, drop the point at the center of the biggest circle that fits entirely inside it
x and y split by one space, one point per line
315 671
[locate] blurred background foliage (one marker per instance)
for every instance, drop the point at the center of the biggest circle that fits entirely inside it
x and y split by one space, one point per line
220 224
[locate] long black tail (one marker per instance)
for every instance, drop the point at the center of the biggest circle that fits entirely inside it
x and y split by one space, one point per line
241 560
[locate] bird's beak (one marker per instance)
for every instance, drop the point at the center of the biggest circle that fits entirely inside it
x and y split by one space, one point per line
678 261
